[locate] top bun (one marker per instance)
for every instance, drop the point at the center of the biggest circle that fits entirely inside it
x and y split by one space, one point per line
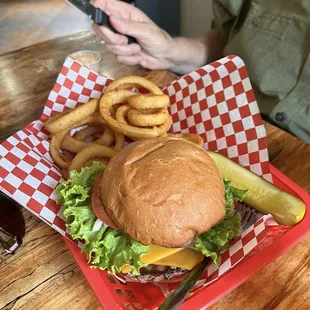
163 191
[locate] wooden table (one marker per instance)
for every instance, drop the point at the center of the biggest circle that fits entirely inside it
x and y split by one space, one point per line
43 274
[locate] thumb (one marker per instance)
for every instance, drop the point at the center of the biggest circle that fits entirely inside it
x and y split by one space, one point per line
139 30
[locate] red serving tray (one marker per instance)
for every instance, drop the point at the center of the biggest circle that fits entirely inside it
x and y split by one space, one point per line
121 296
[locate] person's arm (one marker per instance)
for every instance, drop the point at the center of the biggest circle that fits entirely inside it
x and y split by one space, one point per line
155 49
190 54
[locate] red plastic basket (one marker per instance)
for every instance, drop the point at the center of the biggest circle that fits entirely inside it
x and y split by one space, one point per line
215 101
113 294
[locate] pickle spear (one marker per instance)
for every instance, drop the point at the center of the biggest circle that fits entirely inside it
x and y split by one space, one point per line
262 195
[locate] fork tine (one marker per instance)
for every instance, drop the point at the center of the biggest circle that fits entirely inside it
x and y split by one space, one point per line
241 210
251 220
247 216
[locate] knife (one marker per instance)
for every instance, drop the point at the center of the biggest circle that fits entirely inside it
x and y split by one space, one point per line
175 300
96 15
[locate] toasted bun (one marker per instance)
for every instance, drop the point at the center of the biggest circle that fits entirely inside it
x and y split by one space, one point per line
163 191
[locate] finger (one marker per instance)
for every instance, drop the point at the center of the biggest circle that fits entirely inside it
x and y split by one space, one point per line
107 35
110 6
101 4
120 8
130 60
136 29
123 50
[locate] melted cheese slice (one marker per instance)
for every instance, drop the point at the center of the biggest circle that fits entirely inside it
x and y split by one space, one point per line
178 257
186 259
157 252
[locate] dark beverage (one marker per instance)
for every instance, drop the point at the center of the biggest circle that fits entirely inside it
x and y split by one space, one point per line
12 224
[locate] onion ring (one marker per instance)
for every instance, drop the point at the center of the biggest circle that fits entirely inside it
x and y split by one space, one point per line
72 145
133 81
139 119
119 138
83 134
56 117
93 151
119 141
109 99
107 138
121 113
60 159
128 86
141 102
69 119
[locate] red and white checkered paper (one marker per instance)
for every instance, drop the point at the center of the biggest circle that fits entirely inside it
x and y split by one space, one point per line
215 101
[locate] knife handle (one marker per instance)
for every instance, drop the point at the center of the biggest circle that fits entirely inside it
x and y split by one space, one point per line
100 20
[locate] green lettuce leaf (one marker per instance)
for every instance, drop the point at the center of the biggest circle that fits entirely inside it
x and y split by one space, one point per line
215 240
112 250
106 248
232 194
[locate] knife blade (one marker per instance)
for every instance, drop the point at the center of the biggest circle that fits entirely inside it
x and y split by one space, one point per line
96 15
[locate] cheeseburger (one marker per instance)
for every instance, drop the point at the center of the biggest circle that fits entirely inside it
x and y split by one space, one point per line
154 212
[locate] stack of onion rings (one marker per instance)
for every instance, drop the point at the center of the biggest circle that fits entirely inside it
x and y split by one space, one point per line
120 112
61 125
140 116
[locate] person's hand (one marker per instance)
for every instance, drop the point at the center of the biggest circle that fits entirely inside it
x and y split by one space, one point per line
155 49
154 44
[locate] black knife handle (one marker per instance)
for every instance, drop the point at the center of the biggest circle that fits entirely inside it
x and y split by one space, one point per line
100 20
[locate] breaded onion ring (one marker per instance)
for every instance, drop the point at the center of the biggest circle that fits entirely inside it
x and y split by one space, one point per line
71 118
110 99
91 152
83 134
141 102
60 159
133 81
139 119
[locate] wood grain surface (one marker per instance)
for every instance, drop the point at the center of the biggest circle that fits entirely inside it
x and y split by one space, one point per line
43 274
36 21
